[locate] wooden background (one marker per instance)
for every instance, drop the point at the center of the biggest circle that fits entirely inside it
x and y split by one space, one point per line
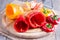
54 4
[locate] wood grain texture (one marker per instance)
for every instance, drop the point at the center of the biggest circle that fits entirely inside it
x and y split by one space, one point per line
54 3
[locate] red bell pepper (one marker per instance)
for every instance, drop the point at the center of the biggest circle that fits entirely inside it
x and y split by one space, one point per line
54 20
48 27
21 24
49 19
36 19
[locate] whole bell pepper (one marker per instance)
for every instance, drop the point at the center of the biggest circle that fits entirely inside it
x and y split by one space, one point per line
47 12
54 20
48 27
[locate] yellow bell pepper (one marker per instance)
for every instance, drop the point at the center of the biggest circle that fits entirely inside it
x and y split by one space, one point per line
13 10
46 11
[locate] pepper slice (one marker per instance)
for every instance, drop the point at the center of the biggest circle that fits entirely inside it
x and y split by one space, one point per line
48 27
27 6
21 24
36 19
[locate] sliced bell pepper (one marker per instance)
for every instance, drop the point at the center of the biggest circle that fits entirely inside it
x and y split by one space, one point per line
26 6
13 10
21 25
36 19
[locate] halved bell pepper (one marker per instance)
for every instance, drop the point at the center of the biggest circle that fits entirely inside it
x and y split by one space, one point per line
21 25
35 19
13 10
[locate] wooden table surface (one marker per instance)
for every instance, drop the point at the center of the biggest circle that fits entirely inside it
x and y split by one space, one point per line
55 4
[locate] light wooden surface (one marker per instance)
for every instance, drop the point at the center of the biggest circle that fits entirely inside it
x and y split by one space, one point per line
55 4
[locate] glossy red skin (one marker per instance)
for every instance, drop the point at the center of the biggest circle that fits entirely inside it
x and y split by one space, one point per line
46 29
50 20
36 19
58 20
55 22
21 24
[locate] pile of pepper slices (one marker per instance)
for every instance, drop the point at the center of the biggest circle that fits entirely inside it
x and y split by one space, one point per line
31 15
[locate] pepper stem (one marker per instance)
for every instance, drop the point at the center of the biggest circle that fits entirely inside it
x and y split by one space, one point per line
55 17
49 25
